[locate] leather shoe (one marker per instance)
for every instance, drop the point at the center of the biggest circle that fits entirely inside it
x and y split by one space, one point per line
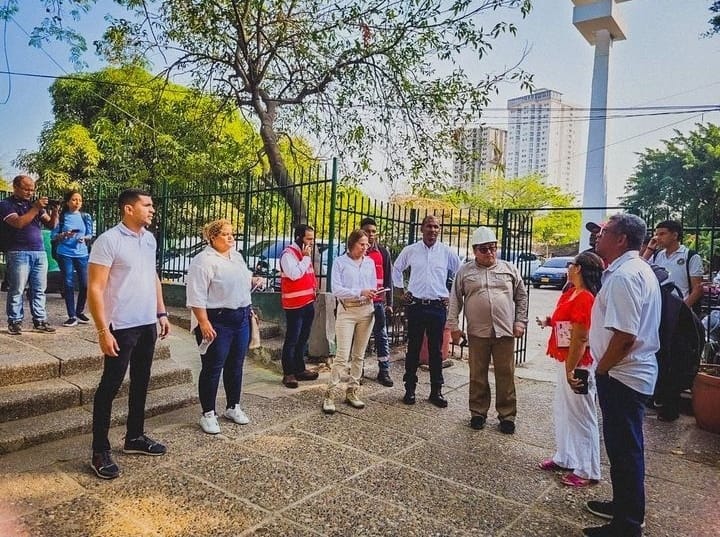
438 400
507 427
477 422
290 381
307 375
384 378
409 398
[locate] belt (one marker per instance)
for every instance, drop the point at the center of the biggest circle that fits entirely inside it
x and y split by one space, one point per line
429 302
350 303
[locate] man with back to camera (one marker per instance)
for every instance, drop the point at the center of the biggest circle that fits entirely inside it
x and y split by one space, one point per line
26 258
126 303
298 289
665 249
492 294
382 302
624 339
426 299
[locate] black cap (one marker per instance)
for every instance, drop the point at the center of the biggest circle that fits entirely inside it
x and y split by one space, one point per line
592 227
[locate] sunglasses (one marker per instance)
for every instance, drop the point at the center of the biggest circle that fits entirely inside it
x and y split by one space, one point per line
485 249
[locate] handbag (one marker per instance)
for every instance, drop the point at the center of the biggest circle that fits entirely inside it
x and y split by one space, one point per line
254 331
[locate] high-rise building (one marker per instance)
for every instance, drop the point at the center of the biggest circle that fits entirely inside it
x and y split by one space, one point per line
542 138
483 155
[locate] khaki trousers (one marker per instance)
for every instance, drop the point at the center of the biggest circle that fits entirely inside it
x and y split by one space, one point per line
501 350
353 327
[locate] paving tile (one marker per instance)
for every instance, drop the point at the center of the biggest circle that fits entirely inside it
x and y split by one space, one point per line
265 481
393 414
532 523
281 527
86 516
430 496
356 432
346 511
493 465
298 448
174 504
22 493
568 503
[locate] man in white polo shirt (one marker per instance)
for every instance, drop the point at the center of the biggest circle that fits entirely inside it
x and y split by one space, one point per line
623 340
126 303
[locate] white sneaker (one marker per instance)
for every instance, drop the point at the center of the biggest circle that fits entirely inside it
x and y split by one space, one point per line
209 423
328 406
237 415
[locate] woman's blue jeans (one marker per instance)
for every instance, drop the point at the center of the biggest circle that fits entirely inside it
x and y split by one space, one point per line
69 266
226 356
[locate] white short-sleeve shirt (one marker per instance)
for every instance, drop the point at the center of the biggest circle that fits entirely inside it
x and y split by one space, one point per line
629 301
131 291
675 264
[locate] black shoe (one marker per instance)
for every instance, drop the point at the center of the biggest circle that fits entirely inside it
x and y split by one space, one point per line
409 397
289 381
507 427
602 509
15 328
104 466
438 400
42 326
144 445
384 378
82 318
608 530
307 375
477 422
664 415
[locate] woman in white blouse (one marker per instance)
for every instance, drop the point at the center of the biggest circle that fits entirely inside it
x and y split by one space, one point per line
218 292
354 284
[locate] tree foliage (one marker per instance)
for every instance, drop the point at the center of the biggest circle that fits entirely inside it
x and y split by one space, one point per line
684 174
715 19
122 125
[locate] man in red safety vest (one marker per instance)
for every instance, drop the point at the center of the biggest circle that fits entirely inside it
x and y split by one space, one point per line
298 288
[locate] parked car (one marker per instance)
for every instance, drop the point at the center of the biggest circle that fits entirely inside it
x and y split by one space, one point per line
552 272
527 262
177 260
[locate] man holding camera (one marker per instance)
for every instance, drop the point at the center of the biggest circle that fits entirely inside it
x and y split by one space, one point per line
26 258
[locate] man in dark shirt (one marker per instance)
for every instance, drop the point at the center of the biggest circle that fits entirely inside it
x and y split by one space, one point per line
26 258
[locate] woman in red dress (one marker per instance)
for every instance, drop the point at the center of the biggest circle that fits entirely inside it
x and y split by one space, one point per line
577 436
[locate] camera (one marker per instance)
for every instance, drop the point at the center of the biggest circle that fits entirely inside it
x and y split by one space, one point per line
52 204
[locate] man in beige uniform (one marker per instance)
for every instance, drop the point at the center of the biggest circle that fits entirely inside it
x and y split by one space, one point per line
495 302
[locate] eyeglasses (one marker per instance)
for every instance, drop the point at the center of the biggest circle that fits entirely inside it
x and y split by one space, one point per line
485 249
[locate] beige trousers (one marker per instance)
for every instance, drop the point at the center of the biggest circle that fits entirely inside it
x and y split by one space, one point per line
501 350
353 327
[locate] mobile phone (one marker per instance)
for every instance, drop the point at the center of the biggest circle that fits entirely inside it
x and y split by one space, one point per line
582 374
74 231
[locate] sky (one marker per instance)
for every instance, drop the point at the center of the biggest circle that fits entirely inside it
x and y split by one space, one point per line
664 61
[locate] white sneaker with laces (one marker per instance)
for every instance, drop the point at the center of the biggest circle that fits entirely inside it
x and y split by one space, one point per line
237 415
209 422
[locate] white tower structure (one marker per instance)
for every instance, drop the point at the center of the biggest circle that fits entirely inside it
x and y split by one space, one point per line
484 155
542 139
598 22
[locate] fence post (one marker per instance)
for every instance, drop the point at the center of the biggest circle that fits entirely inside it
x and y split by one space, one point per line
99 217
163 224
412 226
506 238
331 230
246 220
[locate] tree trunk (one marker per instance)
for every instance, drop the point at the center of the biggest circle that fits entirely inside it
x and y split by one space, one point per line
292 195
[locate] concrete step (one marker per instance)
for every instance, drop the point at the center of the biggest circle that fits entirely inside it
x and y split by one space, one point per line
23 433
268 355
25 359
43 396
181 317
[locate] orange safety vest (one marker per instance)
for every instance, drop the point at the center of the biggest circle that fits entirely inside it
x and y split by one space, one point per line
295 294
377 258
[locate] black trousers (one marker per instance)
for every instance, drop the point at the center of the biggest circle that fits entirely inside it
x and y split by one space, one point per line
425 319
137 347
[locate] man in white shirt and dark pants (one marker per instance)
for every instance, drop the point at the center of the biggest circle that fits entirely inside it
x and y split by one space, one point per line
426 299
624 339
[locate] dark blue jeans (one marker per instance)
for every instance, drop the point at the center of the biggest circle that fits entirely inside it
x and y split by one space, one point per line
225 355
380 335
623 410
421 320
299 321
69 266
137 347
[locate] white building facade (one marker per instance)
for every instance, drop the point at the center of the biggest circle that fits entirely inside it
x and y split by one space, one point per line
483 155
542 138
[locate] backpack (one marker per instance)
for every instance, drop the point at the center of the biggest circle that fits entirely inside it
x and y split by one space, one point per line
691 253
682 334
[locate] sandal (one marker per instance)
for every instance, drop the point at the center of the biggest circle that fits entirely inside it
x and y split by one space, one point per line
549 465
572 480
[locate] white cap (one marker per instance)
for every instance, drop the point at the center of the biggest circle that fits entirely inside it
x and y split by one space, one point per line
482 235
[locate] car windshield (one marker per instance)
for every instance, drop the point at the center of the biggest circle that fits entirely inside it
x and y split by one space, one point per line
556 262
269 249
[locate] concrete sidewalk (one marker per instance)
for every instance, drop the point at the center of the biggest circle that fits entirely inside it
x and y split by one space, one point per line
386 470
